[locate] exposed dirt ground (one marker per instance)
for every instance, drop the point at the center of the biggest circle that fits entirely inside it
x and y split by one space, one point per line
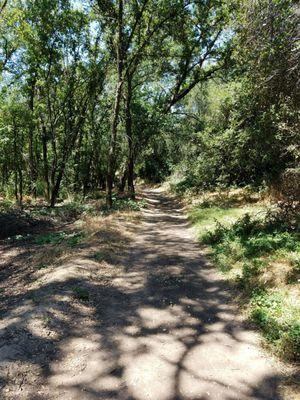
152 320
14 223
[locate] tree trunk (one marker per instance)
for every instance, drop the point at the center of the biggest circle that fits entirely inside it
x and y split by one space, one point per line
130 161
32 166
56 186
131 189
123 180
116 110
102 181
16 185
15 162
32 185
45 162
112 146
54 159
18 177
20 186
87 182
55 189
60 168
77 160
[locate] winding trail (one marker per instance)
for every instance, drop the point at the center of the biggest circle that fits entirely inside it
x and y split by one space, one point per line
186 338
163 327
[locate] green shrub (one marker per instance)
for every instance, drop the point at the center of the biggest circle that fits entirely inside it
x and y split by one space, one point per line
253 235
42 266
294 275
285 336
50 238
185 185
70 239
227 253
248 245
290 342
264 243
6 205
269 325
252 269
265 308
65 211
246 226
128 204
75 238
99 256
215 236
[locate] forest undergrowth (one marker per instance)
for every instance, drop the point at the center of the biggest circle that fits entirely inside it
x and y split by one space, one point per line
254 241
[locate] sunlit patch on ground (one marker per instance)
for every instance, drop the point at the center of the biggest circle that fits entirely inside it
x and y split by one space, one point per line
131 312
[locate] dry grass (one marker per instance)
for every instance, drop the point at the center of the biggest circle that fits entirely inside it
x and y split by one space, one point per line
277 273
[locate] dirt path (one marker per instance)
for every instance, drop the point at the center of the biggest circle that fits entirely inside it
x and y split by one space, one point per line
160 325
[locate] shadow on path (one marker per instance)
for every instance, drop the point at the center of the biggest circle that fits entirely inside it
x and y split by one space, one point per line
161 326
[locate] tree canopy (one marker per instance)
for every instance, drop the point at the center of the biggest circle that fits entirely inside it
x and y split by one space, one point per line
95 93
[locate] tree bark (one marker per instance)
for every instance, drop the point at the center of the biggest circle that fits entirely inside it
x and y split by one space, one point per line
116 110
15 166
56 187
123 180
112 146
18 170
45 162
129 135
20 186
32 166
77 159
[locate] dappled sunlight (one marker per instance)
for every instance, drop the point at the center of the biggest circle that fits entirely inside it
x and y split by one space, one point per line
156 323
131 281
150 377
82 361
155 318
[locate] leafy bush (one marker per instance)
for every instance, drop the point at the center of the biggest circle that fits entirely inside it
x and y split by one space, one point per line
184 185
265 308
290 342
122 204
266 243
267 313
285 217
252 269
215 236
71 239
244 249
65 211
294 275
50 238
6 205
246 226
227 253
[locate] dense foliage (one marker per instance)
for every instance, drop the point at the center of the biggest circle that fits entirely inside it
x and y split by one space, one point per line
97 94
94 94
257 249
86 86
244 127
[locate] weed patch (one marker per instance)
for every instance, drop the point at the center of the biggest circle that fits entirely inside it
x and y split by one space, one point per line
261 255
42 266
54 238
123 204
